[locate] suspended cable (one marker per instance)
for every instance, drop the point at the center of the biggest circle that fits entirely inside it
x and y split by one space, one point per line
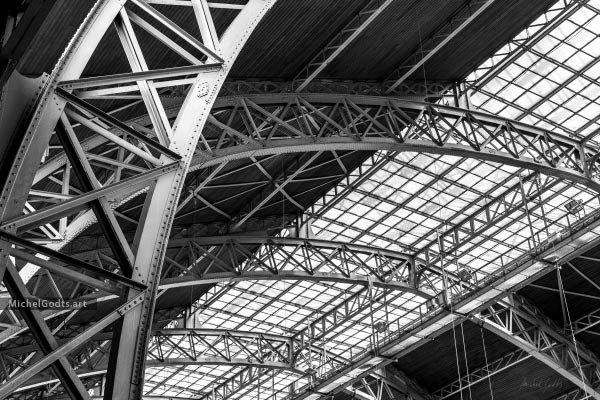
423 64
466 361
283 198
449 301
462 325
446 289
487 363
564 298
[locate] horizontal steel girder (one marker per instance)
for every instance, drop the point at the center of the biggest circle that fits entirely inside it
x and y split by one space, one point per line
325 122
197 346
437 320
261 125
524 326
416 89
239 258
208 260
286 123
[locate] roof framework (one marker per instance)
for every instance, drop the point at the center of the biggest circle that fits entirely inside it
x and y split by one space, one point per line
321 238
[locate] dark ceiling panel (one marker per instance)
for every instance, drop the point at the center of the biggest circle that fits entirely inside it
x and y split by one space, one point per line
290 35
445 349
293 32
392 37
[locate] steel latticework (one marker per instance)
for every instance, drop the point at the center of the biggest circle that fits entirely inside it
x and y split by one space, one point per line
259 199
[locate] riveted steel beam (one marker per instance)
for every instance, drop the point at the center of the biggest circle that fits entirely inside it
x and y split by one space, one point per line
328 122
131 337
179 142
523 325
436 320
238 258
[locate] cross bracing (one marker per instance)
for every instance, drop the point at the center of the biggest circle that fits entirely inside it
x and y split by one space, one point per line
359 226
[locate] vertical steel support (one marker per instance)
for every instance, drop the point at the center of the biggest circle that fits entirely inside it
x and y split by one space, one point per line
87 179
31 134
34 132
43 335
128 363
47 109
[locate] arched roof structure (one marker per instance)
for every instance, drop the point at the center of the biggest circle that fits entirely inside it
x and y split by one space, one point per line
271 199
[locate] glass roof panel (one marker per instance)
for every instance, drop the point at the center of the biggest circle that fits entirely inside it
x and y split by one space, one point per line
411 199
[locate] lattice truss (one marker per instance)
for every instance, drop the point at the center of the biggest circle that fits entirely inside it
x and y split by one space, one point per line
441 192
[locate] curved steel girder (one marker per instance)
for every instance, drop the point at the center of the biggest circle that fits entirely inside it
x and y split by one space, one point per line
217 332
419 127
387 141
283 241
179 333
224 347
160 206
264 265
295 275
285 146
172 283
399 103
34 135
292 241
234 362
180 140
328 99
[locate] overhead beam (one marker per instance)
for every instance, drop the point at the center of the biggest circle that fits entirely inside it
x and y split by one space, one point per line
440 38
481 374
522 325
562 150
109 119
344 38
78 203
413 89
174 283
435 321
382 124
239 258
197 346
132 77
387 118
70 262
388 144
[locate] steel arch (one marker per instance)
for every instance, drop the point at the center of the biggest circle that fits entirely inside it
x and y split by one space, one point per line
175 147
232 259
366 122
353 122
